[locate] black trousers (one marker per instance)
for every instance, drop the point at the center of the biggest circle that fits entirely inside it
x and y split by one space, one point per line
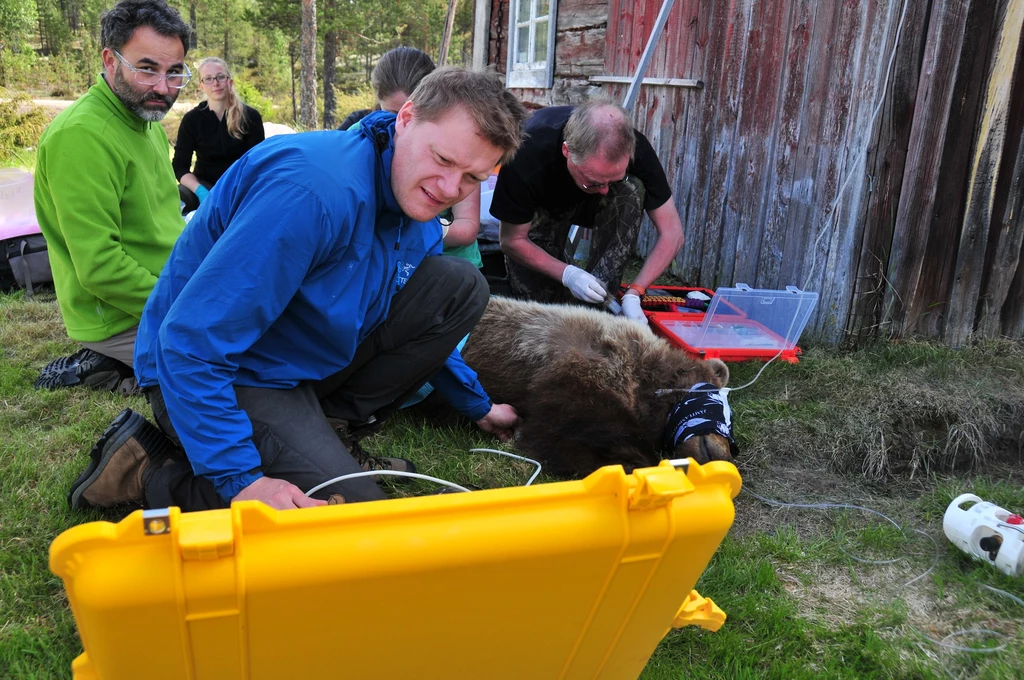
440 304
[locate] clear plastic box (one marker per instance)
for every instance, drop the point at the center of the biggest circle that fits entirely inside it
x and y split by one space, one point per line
742 323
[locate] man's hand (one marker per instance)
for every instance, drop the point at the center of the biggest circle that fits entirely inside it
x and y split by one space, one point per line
277 493
583 285
501 421
631 308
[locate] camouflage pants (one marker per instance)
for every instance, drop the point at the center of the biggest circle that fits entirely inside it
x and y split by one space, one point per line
615 219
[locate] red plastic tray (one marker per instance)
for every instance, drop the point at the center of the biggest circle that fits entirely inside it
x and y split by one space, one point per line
663 315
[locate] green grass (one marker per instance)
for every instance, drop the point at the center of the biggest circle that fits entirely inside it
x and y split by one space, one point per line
798 604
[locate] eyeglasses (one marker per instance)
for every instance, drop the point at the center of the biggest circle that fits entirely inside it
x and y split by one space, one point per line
210 80
597 186
144 76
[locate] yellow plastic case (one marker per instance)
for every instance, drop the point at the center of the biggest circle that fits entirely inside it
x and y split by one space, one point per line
568 580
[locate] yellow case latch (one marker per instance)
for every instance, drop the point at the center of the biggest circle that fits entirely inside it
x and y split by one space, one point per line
699 611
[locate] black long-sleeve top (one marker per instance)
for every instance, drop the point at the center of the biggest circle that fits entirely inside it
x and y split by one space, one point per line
201 131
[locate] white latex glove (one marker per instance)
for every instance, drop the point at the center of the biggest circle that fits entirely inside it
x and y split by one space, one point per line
582 285
631 308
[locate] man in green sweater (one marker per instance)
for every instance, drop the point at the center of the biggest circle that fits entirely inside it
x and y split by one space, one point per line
105 193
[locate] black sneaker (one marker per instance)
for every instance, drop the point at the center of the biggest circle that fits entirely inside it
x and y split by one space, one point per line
89 369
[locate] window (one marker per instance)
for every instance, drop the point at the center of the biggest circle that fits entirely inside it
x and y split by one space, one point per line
531 49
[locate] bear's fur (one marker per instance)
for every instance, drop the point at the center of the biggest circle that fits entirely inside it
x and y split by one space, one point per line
584 383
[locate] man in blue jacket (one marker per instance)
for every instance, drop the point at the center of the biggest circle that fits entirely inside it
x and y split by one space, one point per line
309 289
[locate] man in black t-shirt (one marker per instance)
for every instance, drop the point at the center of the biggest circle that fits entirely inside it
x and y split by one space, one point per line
586 166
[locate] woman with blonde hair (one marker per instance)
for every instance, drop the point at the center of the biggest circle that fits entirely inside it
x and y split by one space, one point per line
220 130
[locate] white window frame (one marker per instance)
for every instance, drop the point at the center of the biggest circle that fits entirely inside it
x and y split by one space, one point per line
538 74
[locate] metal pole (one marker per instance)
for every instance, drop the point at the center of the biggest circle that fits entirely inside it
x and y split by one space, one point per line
645 59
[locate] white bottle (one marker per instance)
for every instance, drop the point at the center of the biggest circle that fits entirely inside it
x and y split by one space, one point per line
986 532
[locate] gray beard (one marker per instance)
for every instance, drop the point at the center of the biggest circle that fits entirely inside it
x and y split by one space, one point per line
135 101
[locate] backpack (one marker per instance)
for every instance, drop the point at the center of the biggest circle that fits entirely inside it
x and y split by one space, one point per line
24 262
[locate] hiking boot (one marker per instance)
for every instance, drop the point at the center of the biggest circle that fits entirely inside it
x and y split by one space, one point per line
370 463
117 463
89 369
350 436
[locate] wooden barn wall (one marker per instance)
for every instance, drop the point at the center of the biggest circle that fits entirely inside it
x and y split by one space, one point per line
579 51
907 223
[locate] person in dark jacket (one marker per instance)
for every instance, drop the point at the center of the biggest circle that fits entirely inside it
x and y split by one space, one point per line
310 290
220 130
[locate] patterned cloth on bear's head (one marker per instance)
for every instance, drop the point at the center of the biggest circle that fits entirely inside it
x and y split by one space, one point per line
704 410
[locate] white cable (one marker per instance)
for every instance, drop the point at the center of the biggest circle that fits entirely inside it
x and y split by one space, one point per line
944 643
849 506
961 633
387 473
1003 593
935 562
512 455
417 475
833 213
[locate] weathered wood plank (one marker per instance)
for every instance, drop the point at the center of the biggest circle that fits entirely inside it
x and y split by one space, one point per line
799 232
692 177
612 37
1013 309
984 173
619 44
715 269
580 53
692 83
1005 265
937 280
676 49
1006 188
688 62
833 151
916 210
880 22
778 193
643 21
577 14
649 101
757 126
1010 205
885 168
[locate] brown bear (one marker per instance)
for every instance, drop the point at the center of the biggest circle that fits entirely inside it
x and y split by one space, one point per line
587 383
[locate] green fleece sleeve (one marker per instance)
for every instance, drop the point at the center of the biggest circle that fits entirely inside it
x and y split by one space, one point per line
87 178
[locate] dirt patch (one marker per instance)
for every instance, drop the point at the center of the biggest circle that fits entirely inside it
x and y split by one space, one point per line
886 412
814 485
